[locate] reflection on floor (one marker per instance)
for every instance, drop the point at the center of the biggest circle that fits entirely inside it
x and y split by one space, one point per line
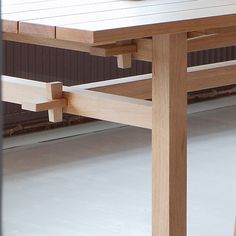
99 184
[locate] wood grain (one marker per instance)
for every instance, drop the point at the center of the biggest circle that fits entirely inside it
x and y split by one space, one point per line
112 50
169 135
148 25
198 78
10 26
123 86
211 76
109 107
93 104
224 38
124 61
38 105
97 21
54 90
92 22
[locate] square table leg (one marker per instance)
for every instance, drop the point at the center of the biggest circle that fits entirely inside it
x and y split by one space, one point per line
169 135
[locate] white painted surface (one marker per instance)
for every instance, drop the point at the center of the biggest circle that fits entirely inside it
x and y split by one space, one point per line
99 184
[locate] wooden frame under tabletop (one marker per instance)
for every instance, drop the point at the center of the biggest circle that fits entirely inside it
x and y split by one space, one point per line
139 49
162 33
118 101
92 100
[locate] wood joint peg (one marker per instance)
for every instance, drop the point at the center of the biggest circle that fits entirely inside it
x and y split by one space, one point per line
113 50
54 91
124 61
38 105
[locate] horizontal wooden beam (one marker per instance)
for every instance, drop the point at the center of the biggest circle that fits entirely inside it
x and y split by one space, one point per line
198 43
130 111
211 76
38 105
47 42
198 78
212 41
195 34
56 43
109 100
19 91
125 110
230 29
140 49
35 96
214 31
134 86
112 50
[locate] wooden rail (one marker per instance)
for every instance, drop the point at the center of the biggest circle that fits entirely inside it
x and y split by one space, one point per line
120 100
139 49
33 96
198 78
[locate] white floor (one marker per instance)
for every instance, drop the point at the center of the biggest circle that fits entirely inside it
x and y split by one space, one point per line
99 184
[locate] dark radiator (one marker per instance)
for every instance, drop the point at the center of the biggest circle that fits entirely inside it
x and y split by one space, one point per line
71 68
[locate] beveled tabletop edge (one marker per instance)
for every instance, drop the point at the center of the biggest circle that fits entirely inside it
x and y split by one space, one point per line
135 32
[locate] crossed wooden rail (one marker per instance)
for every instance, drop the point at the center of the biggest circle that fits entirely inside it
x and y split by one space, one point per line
121 100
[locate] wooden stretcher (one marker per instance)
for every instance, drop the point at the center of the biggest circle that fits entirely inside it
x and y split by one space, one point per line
161 32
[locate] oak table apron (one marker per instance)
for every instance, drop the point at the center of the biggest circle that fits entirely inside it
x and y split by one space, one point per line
159 31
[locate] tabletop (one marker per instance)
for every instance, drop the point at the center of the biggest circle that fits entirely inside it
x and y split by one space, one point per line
97 21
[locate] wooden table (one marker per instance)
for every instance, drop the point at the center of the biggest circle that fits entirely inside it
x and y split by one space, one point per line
161 31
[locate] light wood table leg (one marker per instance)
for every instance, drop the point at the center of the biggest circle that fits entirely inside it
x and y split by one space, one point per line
169 135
